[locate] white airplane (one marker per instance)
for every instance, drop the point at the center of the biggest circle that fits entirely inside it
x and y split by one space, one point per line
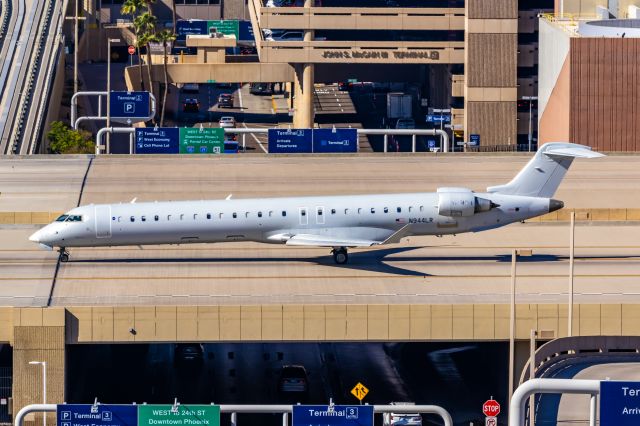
338 222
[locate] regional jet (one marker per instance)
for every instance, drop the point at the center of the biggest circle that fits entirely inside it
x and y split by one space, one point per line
336 222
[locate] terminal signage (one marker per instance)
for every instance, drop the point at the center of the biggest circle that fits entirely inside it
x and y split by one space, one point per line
97 415
619 403
226 27
129 107
335 140
160 140
290 141
336 415
438 118
195 27
474 140
180 415
246 31
206 140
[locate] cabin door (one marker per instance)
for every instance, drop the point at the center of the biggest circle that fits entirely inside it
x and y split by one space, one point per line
103 221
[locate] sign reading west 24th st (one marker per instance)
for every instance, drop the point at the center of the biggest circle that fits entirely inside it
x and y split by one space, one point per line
338 415
98 415
619 403
182 415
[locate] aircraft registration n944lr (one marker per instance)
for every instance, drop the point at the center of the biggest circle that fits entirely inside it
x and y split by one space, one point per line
338 222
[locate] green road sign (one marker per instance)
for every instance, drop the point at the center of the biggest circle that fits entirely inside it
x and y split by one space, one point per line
207 140
227 27
185 415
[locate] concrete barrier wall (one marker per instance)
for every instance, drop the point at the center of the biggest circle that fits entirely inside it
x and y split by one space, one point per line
582 215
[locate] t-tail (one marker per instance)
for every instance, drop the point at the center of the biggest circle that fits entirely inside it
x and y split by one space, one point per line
544 172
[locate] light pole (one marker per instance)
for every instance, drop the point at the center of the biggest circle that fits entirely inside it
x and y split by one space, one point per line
44 386
512 323
109 41
571 262
530 99
442 112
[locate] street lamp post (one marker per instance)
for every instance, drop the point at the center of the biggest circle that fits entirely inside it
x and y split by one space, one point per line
109 41
44 386
530 99
442 112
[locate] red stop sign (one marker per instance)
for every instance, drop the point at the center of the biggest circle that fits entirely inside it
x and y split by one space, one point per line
131 50
491 408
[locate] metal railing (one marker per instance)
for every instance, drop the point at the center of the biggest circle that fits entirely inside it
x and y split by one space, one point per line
285 410
243 131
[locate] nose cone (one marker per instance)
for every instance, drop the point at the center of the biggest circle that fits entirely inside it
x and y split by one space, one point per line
35 237
555 205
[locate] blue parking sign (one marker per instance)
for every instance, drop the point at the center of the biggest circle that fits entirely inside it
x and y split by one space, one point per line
129 107
96 415
336 415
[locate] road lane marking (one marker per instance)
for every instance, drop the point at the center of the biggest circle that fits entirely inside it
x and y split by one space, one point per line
256 139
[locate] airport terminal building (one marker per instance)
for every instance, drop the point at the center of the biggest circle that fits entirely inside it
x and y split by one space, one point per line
476 58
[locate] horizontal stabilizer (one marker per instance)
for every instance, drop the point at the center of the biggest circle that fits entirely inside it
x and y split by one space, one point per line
578 152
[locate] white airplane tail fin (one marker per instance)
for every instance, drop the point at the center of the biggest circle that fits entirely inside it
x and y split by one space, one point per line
544 172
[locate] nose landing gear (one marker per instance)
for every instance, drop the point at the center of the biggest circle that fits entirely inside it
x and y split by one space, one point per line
340 255
64 255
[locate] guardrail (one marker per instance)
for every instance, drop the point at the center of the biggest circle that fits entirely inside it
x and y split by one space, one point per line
269 409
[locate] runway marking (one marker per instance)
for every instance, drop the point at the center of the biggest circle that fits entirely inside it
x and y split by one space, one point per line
256 139
315 277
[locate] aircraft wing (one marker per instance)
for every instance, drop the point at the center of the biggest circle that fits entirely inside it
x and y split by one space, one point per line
329 241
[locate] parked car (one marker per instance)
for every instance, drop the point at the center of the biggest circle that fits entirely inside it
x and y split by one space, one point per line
293 378
227 122
225 100
191 105
405 123
189 353
396 419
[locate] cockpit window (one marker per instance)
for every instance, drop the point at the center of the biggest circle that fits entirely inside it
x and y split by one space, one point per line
69 218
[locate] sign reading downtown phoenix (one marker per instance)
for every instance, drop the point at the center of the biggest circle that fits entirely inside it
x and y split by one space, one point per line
207 140
180 415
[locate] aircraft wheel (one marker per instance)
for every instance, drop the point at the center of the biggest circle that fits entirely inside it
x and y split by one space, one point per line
340 256
64 257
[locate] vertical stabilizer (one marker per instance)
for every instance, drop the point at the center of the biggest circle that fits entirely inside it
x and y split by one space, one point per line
544 172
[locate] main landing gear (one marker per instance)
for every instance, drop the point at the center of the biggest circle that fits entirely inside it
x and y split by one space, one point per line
64 255
340 255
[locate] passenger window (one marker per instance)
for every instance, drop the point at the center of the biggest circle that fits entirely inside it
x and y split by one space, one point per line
208 215
410 208
333 211
133 219
119 218
156 218
182 216
284 213
346 211
270 213
421 208
359 210
246 214
235 215
399 209
195 216
168 217
373 211
144 218
303 212
386 209
221 215
320 212
259 214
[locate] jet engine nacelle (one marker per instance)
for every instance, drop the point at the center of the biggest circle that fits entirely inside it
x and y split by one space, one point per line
461 202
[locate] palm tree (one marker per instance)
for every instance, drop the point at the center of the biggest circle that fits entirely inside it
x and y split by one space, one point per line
164 37
146 24
133 8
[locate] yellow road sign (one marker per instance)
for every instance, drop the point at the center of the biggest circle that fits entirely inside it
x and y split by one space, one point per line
359 391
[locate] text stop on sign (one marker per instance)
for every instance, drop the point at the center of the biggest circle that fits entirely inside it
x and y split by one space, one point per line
491 408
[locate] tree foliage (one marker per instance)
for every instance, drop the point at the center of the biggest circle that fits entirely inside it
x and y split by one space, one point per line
63 140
